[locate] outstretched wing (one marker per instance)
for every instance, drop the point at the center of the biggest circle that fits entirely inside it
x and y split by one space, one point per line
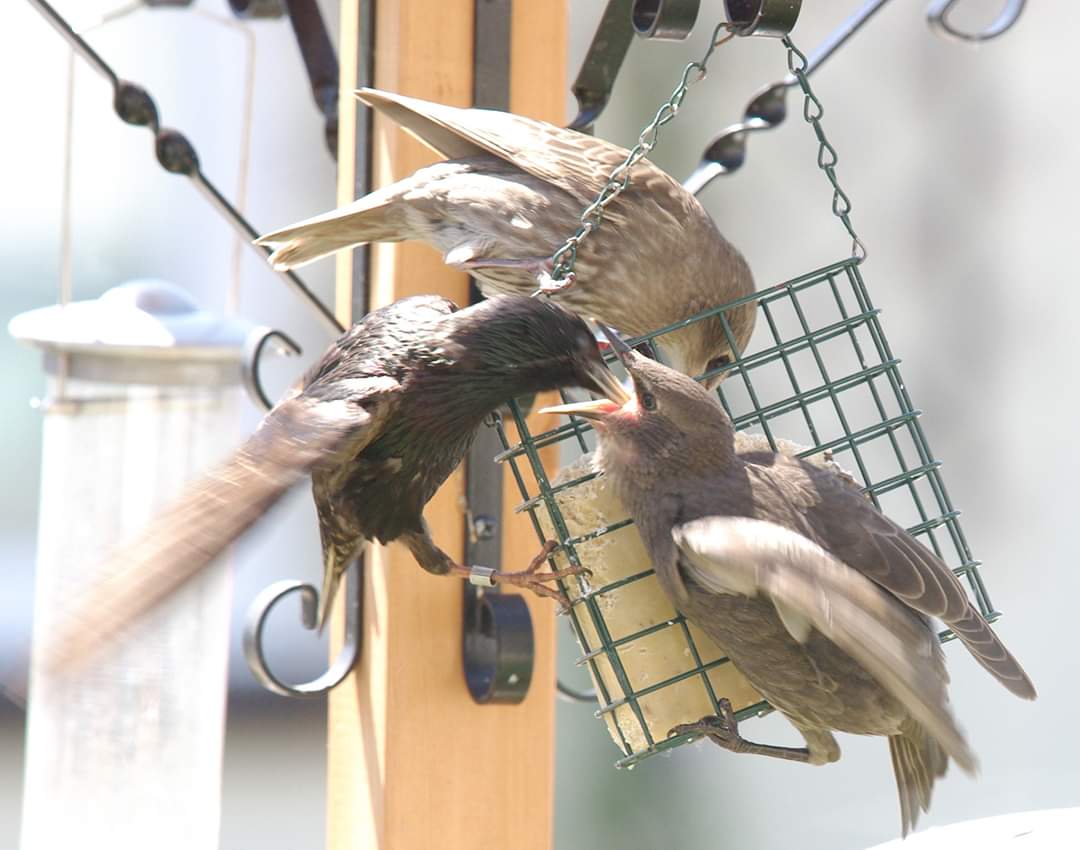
562 157
811 589
299 433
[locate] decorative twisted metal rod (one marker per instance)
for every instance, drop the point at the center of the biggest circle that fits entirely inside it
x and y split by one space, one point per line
174 152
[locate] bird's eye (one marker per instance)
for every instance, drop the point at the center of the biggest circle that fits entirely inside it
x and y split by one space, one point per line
718 363
648 401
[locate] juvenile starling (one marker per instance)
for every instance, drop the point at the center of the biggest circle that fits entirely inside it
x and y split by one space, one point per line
379 423
511 193
820 601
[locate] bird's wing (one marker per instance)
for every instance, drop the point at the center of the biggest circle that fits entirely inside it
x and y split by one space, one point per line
811 589
296 435
859 535
563 157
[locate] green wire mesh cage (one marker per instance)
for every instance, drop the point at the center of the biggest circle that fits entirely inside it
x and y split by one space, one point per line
827 381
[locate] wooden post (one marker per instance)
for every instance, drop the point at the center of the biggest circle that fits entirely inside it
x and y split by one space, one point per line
413 761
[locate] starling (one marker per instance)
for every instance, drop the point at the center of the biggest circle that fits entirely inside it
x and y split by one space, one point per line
379 423
823 603
513 189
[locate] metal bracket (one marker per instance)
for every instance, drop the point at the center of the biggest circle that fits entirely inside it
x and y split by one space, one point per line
321 63
254 347
594 82
259 613
497 649
315 49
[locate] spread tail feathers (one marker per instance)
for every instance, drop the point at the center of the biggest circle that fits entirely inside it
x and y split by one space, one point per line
918 761
373 218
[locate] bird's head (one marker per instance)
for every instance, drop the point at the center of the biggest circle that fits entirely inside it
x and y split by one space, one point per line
666 416
704 347
526 345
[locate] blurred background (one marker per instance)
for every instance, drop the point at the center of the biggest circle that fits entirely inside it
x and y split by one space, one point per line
962 166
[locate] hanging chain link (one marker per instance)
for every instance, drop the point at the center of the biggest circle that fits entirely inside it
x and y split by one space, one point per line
563 260
827 158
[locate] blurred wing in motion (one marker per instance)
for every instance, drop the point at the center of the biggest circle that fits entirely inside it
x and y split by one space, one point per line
813 590
298 434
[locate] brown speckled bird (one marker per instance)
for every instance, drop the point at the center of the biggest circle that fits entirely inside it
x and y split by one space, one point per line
379 423
820 601
511 193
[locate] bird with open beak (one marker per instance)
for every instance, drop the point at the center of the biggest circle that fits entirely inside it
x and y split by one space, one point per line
823 603
379 423
512 191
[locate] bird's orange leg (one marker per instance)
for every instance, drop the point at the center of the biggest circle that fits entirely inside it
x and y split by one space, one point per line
724 731
530 578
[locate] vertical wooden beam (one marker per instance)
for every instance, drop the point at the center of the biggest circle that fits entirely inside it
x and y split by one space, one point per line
413 761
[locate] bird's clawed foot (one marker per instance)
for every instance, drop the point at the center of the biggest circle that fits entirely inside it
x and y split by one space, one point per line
531 578
724 731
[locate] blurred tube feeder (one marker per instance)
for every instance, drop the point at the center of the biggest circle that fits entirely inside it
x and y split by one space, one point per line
144 390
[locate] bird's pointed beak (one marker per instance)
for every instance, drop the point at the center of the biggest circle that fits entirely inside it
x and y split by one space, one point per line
618 346
596 409
608 384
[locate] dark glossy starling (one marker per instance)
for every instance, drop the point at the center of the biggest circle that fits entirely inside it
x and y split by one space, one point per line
379 423
823 603
513 190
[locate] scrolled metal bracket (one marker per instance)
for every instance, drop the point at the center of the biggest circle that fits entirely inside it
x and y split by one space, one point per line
937 16
259 613
254 346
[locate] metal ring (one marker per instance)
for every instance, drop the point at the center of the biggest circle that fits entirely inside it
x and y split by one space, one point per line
772 18
937 16
665 19
259 613
253 350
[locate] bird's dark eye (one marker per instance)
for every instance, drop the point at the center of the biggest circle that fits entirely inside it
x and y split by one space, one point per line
648 401
718 362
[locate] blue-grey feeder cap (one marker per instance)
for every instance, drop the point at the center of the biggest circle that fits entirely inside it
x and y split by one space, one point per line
148 319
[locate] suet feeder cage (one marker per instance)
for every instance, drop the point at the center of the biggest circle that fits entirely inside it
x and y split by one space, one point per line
824 384
825 378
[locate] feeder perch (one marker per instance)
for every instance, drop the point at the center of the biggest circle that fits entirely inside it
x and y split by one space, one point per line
143 391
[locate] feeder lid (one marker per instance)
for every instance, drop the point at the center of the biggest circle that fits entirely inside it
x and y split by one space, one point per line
145 318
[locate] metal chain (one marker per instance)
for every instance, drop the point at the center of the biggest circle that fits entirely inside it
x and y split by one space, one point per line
563 260
827 158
